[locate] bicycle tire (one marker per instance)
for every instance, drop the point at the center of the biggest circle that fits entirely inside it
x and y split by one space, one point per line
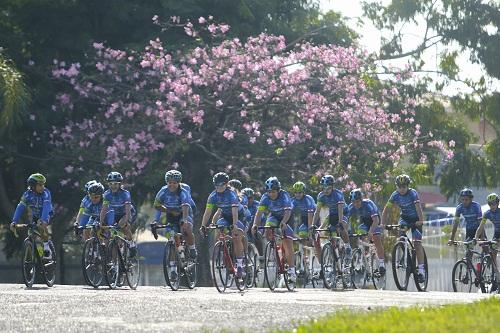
251 255
271 265
316 278
461 277
112 265
399 265
191 273
219 269
422 286
379 281
168 251
91 265
487 274
288 283
328 267
132 267
28 262
358 269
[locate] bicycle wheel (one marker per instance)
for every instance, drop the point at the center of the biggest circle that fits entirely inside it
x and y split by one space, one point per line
220 272
358 269
112 265
328 267
461 277
171 265
379 281
271 265
191 273
487 274
91 263
132 268
251 270
423 286
344 269
28 262
300 270
290 285
307 272
401 265
316 277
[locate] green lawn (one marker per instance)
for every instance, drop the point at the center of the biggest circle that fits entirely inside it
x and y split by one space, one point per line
482 317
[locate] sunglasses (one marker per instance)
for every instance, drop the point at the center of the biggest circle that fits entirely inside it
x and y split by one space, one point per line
114 183
95 196
492 203
219 185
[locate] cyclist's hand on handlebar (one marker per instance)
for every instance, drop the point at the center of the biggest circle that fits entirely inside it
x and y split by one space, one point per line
451 242
254 229
13 227
203 231
419 223
282 225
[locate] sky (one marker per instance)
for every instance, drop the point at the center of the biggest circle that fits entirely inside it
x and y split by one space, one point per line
370 40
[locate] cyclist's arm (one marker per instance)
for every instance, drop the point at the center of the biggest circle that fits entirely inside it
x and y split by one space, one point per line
316 215
234 211
104 210
21 206
420 214
456 222
286 216
340 207
375 223
310 216
207 214
185 212
385 212
157 215
46 208
257 217
216 216
79 215
128 207
480 229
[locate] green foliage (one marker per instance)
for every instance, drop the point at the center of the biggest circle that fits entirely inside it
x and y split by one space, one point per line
476 317
448 64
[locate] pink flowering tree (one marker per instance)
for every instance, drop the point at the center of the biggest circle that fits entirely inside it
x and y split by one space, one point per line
253 108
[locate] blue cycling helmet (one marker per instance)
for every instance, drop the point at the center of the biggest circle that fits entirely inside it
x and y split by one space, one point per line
272 183
356 194
327 180
173 175
403 180
466 192
114 176
87 185
220 178
96 188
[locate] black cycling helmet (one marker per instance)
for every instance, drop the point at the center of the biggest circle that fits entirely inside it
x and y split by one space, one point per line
220 178
248 192
96 188
235 183
466 192
403 180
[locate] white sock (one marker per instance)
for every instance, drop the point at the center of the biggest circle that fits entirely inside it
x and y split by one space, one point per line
291 270
381 263
172 265
131 243
239 262
46 246
421 268
192 247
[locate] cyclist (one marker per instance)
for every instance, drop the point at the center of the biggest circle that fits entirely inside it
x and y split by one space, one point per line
232 213
277 205
411 216
303 207
118 199
90 209
252 209
471 211
38 200
333 199
367 212
493 215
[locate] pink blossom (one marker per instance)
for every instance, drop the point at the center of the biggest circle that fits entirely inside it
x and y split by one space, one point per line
69 169
201 20
229 134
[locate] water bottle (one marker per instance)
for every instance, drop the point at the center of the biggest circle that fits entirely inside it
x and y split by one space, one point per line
180 251
478 267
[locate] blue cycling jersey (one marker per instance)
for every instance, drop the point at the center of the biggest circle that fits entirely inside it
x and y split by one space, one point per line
253 208
472 214
117 200
173 201
494 217
331 201
367 210
39 204
191 201
89 210
303 206
407 203
225 201
276 207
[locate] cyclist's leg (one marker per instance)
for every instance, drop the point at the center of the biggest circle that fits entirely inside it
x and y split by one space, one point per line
271 222
84 220
187 231
44 235
239 253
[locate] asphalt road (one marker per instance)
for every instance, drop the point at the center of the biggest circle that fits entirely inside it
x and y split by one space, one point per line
66 308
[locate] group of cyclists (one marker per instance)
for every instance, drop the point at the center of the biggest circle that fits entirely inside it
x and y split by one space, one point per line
235 207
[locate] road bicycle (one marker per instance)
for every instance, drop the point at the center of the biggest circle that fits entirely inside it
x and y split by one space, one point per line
365 263
275 265
335 271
